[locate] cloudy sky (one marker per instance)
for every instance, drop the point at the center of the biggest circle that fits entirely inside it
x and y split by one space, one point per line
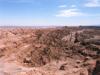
49 12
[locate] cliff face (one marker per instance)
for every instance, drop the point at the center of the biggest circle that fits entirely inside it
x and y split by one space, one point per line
54 51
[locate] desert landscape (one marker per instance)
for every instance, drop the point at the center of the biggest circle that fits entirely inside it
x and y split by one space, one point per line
50 51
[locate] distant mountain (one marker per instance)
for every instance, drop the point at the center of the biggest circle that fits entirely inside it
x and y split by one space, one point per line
90 27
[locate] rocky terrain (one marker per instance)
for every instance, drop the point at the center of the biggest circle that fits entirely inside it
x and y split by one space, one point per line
50 51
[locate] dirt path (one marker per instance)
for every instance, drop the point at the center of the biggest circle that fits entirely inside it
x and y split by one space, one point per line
10 68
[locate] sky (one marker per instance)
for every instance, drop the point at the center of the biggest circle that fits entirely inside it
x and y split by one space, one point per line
49 12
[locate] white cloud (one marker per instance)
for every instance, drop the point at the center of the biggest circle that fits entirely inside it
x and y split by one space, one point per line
73 6
62 6
70 13
93 3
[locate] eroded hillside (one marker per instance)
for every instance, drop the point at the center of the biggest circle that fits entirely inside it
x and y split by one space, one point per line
50 51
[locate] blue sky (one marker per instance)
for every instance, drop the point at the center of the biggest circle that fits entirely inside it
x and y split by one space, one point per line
49 12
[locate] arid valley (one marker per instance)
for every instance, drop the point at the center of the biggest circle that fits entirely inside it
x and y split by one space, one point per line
50 51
